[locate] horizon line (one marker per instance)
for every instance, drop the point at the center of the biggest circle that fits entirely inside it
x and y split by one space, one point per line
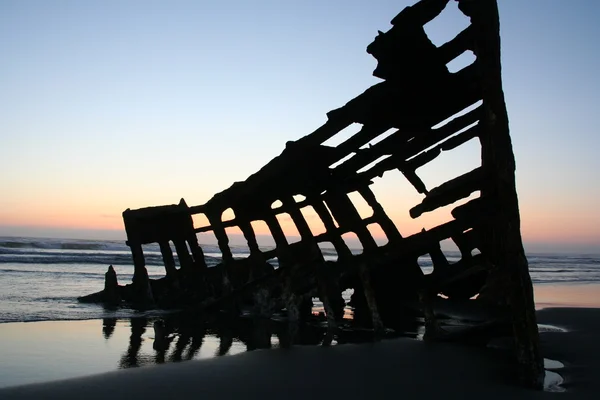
545 247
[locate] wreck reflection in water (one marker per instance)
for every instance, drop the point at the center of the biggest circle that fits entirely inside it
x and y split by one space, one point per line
176 338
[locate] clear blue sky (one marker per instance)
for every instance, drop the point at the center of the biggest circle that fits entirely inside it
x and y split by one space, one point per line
106 105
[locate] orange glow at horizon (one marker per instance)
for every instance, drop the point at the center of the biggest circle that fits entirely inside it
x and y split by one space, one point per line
539 223
64 219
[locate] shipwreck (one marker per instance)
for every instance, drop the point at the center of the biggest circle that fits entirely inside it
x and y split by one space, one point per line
416 94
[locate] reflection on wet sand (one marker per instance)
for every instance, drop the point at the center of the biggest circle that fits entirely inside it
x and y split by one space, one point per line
225 335
162 341
182 336
185 336
130 358
108 327
178 338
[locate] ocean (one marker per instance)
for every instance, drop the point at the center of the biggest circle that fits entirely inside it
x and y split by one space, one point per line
42 278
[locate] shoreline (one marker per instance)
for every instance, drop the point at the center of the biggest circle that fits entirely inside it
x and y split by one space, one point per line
400 366
583 294
52 351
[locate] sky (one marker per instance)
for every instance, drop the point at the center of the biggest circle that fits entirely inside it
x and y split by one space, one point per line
108 105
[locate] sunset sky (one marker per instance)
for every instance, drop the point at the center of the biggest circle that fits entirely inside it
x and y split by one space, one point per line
107 105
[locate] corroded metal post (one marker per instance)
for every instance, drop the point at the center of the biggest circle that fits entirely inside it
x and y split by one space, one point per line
509 281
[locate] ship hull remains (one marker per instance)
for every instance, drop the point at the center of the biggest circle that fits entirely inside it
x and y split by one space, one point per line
428 110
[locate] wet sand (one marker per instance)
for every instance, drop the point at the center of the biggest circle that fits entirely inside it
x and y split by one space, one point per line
578 349
393 368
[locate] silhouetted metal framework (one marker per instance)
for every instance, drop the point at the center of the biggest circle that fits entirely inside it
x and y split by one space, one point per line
417 93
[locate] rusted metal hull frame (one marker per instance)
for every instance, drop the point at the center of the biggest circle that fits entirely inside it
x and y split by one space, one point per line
417 94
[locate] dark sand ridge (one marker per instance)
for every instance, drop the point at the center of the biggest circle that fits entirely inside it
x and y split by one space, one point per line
402 368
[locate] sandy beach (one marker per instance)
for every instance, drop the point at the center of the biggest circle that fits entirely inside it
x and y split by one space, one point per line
578 348
399 367
61 346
